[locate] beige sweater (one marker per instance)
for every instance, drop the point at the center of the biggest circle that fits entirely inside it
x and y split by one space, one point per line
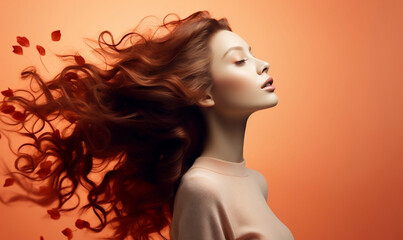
222 200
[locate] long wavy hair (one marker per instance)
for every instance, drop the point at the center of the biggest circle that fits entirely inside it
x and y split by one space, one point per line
139 114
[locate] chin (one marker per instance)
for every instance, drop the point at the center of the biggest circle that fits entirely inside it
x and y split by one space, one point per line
271 104
273 101
266 106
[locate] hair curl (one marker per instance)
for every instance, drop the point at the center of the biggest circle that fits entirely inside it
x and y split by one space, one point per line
140 114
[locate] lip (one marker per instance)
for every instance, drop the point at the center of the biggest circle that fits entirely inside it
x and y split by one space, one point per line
271 87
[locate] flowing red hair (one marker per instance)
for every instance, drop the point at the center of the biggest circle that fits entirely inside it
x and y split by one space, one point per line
139 114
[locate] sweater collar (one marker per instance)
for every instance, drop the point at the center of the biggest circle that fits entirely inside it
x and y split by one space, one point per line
221 166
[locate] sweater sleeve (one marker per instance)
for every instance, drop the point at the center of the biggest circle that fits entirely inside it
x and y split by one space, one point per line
197 212
263 184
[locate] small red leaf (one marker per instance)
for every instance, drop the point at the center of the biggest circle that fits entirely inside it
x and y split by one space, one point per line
8 92
79 60
41 238
56 134
5 108
44 169
54 213
68 233
71 75
82 224
46 164
17 49
70 118
43 172
41 50
86 224
44 189
56 35
23 41
19 116
8 182
79 224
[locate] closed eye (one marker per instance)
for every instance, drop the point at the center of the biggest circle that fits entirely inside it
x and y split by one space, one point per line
240 62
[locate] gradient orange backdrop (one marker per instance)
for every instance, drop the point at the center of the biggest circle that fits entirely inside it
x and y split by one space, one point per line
330 150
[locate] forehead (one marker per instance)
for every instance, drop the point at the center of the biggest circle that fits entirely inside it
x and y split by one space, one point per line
224 39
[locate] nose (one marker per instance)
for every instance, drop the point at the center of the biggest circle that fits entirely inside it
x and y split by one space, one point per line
264 67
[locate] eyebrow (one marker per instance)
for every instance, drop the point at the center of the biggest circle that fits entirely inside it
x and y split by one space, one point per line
236 47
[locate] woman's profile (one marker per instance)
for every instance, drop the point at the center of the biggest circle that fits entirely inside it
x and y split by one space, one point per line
169 113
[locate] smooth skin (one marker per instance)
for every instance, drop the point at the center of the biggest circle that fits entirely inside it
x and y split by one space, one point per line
235 95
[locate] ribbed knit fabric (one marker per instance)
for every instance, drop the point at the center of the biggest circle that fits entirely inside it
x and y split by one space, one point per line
223 200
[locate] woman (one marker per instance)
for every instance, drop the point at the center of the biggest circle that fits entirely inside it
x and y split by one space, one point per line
170 114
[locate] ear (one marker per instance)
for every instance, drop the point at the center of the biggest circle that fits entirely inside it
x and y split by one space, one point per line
206 101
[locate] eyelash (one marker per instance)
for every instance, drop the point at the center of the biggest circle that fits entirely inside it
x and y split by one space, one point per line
241 61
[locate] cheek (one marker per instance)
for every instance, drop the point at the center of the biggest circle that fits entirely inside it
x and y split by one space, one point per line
232 84
231 91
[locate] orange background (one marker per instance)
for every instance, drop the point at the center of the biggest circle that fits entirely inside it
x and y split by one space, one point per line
329 150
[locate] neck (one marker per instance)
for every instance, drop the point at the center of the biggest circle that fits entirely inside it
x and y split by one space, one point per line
225 137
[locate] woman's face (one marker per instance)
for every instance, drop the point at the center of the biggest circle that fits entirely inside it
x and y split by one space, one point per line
238 77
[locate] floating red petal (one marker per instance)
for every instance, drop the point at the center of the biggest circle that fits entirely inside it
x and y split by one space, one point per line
7 93
79 60
8 182
41 50
5 108
56 35
18 116
68 233
23 41
54 213
17 49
